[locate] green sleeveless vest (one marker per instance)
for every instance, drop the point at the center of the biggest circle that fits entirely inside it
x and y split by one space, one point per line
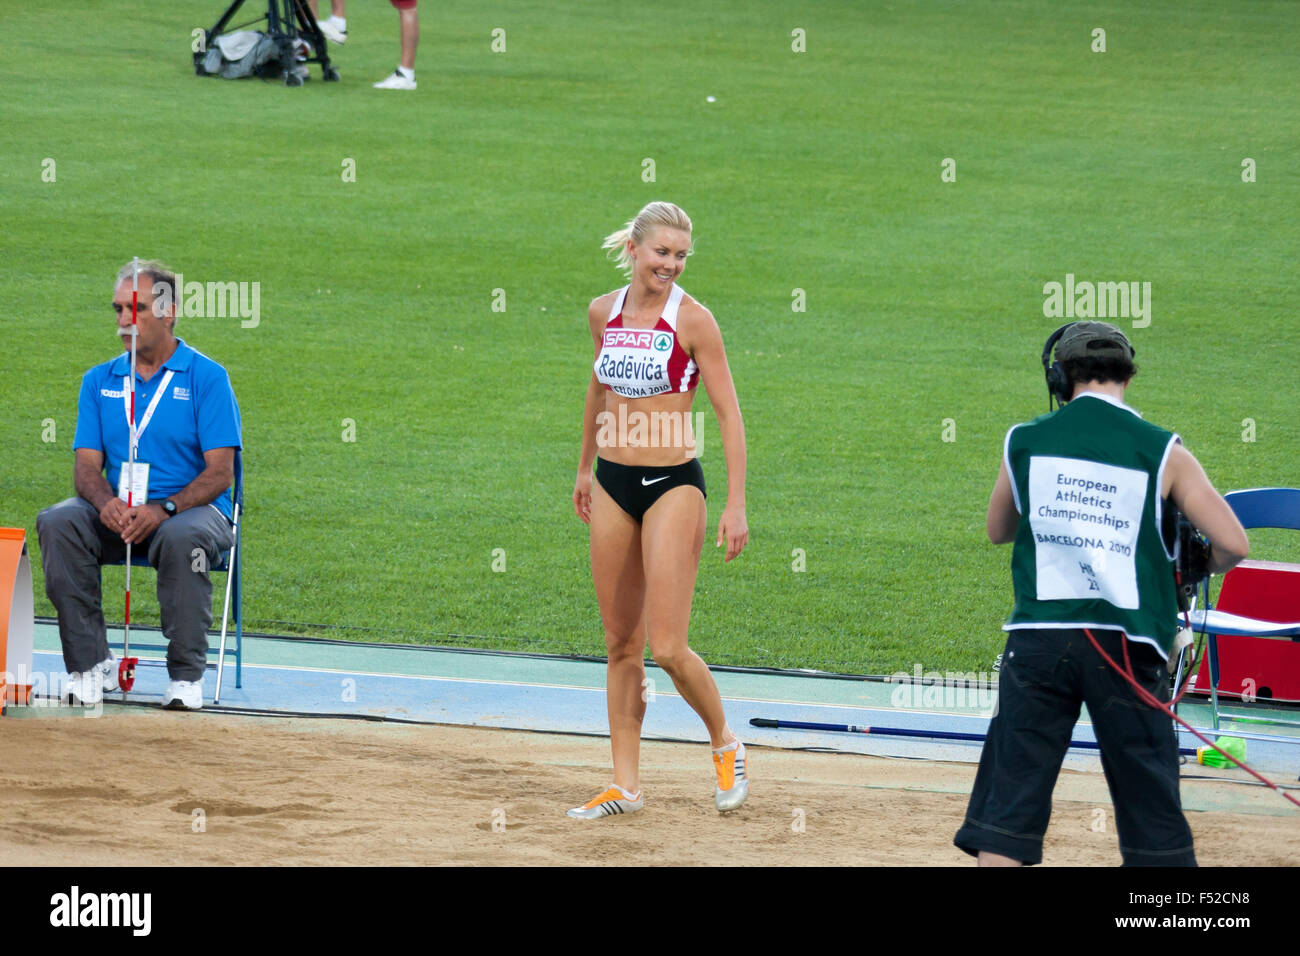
1088 552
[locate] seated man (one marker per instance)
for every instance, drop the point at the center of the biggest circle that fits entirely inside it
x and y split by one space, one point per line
187 424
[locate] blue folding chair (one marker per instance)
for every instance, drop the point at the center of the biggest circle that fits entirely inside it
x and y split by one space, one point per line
231 562
1266 507
1254 508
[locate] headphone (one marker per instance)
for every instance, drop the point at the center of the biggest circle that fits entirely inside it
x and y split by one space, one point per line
1058 383
1059 386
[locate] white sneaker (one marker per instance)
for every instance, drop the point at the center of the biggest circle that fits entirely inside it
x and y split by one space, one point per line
395 82
331 32
183 695
85 689
107 671
89 687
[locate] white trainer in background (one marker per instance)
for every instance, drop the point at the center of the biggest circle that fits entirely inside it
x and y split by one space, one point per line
330 29
84 689
107 671
396 81
88 688
183 695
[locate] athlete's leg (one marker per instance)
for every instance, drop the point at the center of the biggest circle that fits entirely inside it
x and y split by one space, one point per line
410 28
672 536
620 591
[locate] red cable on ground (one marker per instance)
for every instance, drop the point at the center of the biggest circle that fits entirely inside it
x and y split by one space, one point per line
1147 697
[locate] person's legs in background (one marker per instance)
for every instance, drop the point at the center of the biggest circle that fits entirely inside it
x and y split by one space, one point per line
335 26
403 78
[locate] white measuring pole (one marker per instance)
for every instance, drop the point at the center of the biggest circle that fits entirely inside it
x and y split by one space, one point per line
130 454
225 613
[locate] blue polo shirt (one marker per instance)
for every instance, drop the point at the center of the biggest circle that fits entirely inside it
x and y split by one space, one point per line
197 413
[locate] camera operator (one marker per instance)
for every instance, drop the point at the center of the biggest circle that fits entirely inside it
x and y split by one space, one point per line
1081 492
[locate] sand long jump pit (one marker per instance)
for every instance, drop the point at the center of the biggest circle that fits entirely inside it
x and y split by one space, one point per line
213 788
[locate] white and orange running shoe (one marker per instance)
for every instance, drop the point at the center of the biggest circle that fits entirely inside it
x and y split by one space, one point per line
607 804
733 777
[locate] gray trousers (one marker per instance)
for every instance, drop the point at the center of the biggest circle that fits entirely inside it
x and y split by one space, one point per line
75 543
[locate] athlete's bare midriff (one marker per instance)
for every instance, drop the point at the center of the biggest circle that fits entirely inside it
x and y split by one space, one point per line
648 432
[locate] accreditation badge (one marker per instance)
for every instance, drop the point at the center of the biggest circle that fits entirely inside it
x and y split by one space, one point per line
1085 517
139 479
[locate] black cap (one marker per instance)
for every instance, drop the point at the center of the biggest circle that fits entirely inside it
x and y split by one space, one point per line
1084 339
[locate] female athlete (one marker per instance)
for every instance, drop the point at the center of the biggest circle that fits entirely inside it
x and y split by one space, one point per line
646 508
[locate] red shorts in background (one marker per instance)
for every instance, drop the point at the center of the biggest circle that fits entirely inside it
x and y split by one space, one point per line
403 4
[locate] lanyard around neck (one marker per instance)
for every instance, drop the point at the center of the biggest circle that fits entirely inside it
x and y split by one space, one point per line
137 432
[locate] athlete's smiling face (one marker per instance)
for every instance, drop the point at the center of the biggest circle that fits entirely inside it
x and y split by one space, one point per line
662 257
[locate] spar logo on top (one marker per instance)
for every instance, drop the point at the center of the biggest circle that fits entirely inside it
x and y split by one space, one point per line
638 339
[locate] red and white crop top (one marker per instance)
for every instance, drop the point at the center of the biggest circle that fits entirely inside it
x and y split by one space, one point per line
639 363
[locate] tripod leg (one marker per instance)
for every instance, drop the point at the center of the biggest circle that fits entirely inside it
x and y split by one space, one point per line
308 27
225 18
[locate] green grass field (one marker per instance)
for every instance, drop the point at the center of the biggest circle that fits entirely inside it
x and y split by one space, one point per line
816 170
